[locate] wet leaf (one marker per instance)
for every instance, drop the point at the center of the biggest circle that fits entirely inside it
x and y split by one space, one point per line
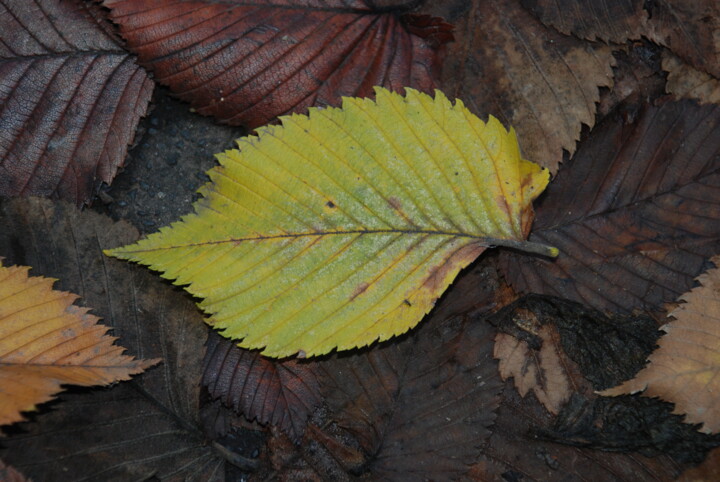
70 99
684 81
506 63
634 213
684 368
280 393
689 29
146 427
344 227
46 342
247 62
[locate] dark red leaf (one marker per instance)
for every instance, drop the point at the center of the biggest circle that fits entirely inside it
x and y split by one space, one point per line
70 99
283 394
635 213
248 62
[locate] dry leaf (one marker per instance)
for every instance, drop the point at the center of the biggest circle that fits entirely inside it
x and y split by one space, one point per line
280 393
247 62
344 227
70 96
684 81
689 29
46 342
634 213
541 371
684 369
506 63
147 427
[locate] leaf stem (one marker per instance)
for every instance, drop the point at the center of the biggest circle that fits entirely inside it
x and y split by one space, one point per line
525 246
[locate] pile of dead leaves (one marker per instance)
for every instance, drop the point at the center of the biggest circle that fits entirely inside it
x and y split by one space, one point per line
600 363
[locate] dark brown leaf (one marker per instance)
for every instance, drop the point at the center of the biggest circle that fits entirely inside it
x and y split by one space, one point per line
686 82
70 99
136 430
280 393
689 29
421 407
635 213
514 452
8 474
248 62
506 63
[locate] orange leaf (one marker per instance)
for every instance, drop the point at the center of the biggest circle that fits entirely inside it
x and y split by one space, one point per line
46 341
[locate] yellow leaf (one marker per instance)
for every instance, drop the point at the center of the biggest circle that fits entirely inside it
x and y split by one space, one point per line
685 368
46 341
343 227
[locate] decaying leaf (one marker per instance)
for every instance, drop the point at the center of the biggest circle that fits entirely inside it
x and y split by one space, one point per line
684 81
635 212
708 470
247 62
684 369
343 228
280 393
506 63
46 342
70 99
146 427
541 371
689 29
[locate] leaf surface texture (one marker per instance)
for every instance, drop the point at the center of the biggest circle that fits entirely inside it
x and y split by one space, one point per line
247 62
46 342
342 228
70 99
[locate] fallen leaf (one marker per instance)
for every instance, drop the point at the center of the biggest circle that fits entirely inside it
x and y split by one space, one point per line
419 408
147 427
246 63
70 99
9 474
344 227
684 368
46 342
689 29
508 64
541 371
607 21
684 81
515 452
634 213
280 393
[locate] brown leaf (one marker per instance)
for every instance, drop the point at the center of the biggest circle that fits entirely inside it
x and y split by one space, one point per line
280 393
136 430
440 381
684 369
506 63
689 29
543 371
684 81
46 341
514 452
70 99
248 62
634 213
614 21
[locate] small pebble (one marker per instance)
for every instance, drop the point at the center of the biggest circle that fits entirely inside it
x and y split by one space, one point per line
148 222
171 161
160 195
141 213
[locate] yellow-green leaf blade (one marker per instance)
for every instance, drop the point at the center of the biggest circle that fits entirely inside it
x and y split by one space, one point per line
343 227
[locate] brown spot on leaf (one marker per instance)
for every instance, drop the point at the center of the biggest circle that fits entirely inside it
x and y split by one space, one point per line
360 289
462 257
395 203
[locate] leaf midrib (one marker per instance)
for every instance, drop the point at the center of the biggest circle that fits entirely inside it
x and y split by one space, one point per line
483 240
